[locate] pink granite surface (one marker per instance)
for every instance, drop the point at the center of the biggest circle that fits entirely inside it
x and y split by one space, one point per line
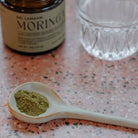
80 79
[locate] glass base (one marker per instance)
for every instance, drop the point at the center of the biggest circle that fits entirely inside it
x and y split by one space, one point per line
109 44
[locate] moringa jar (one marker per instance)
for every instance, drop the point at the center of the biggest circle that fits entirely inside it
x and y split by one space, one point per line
33 26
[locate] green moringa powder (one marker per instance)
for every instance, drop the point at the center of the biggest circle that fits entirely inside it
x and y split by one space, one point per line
31 103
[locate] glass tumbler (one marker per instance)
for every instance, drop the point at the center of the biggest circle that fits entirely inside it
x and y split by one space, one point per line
109 27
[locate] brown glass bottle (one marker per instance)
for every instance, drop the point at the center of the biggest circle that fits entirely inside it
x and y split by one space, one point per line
33 26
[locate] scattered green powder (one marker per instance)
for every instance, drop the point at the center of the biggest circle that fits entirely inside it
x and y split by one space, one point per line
31 103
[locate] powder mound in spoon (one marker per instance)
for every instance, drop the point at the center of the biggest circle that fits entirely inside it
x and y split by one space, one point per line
31 103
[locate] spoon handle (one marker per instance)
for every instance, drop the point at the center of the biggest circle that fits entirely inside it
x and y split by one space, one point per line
77 113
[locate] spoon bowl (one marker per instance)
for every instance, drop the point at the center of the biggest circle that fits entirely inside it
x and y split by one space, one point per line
59 109
55 102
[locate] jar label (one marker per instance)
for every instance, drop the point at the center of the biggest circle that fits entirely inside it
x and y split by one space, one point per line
33 32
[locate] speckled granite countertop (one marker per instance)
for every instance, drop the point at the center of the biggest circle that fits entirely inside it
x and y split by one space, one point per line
80 79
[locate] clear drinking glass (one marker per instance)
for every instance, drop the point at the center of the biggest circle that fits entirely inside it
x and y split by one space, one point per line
109 27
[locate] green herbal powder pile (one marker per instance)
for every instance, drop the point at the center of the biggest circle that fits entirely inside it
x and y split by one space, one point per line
31 103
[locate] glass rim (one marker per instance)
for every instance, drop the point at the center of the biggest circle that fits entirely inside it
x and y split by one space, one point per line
82 14
94 23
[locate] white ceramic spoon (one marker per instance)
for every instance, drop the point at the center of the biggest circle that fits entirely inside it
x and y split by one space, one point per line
59 109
